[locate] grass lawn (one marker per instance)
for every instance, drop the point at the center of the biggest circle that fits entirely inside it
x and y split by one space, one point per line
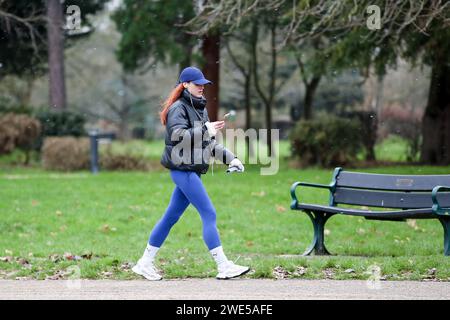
50 221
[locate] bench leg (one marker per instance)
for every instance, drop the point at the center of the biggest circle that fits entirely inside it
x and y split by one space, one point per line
446 224
318 246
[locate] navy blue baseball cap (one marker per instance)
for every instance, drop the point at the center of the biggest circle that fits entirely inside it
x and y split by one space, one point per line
193 74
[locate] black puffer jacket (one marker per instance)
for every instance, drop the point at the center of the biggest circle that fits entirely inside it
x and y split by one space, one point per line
188 144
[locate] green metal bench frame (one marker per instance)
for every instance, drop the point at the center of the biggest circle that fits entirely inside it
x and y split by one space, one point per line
413 197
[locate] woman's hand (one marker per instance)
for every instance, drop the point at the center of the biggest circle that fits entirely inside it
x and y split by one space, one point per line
218 124
214 126
237 163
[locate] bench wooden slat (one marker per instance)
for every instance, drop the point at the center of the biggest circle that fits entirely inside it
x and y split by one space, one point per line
402 200
391 182
421 213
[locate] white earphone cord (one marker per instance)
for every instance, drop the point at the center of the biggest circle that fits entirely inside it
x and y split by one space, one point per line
192 105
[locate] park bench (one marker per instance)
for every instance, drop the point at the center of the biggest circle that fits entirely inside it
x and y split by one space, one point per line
378 197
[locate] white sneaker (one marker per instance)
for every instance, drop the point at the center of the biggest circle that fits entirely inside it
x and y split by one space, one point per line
231 270
147 270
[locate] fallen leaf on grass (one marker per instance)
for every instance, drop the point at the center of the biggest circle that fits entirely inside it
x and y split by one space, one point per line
58 275
22 261
106 274
106 228
69 256
412 223
300 271
328 273
432 271
280 273
54 257
126 266
431 275
87 256
6 259
280 208
361 231
349 271
258 194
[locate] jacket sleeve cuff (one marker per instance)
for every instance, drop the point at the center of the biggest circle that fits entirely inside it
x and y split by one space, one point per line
211 130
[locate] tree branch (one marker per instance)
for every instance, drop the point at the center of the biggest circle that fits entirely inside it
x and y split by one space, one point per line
7 18
302 69
235 60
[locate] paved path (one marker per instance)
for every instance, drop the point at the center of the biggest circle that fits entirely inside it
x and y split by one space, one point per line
211 289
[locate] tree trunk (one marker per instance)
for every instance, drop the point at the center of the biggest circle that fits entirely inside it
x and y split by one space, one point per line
27 98
57 88
436 118
124 114
27 157
211 70
270 152
124 132
248 116
309 97
373 121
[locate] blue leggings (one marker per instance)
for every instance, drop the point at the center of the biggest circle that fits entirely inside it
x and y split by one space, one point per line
189 189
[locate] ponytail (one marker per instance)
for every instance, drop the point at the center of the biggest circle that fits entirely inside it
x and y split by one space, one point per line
173 96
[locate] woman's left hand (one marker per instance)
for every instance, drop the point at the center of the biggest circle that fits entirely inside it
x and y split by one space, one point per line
237 163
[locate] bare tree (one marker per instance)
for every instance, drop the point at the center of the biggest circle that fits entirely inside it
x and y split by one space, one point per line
332 16
267 95
245 68
310 80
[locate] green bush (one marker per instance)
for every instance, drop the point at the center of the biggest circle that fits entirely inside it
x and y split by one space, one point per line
5 108
61 123
368 129
65 153
326 141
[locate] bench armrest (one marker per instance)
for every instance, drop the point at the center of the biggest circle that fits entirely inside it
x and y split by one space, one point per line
305 184
437 209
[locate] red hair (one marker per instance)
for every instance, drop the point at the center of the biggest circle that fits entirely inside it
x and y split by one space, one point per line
173 96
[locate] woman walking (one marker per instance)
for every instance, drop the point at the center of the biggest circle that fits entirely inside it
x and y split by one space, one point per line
189 142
